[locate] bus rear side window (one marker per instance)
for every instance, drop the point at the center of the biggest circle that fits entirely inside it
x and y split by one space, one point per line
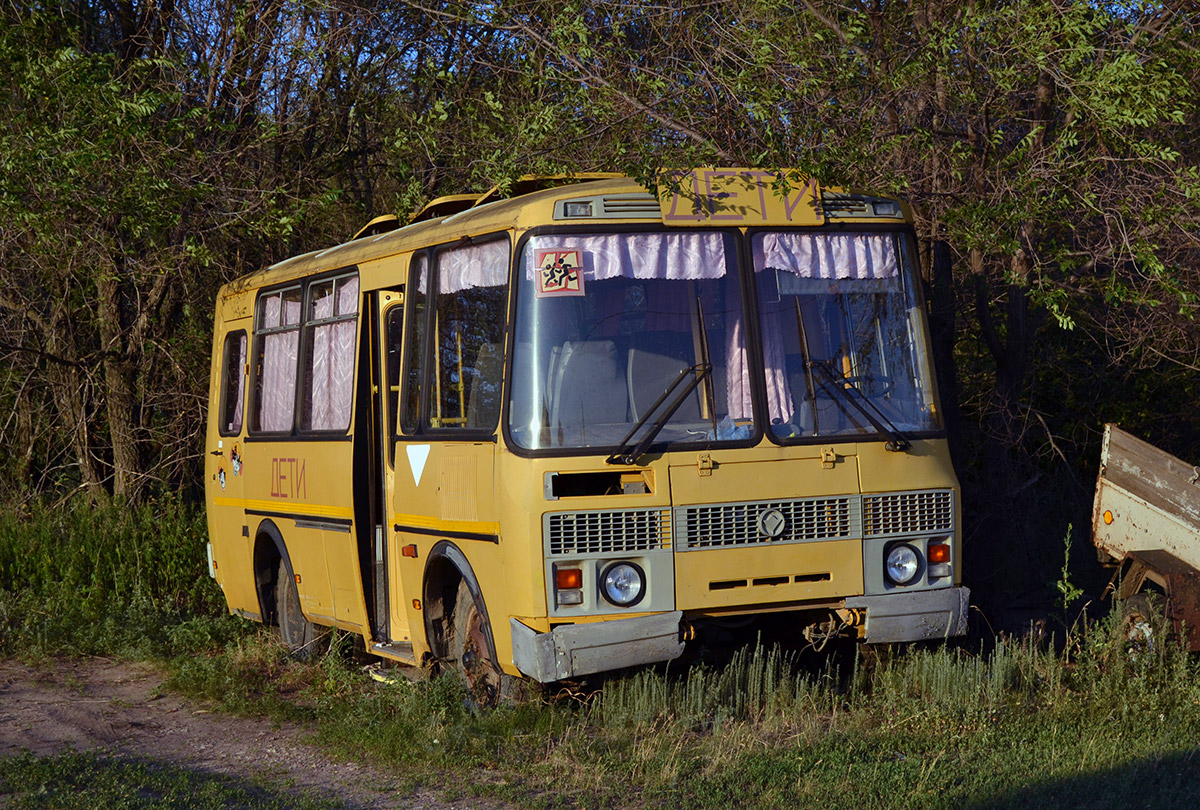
233 383
277 343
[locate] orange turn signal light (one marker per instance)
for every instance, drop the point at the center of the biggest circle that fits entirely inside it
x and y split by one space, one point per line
939 553
568 578
409 551
1108 517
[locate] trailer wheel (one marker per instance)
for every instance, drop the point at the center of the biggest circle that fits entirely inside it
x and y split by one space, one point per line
1140 626
472 654
298 634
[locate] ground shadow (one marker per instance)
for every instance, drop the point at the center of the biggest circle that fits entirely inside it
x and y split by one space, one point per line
96 781
1163 783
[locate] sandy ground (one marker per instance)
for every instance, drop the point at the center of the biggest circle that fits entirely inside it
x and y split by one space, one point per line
122 709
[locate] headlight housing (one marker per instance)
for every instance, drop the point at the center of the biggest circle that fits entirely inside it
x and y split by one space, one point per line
902 564
623 583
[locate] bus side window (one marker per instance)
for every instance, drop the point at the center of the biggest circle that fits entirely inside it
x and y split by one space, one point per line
277 348
417 291
394 331
330 326
469 318
233 383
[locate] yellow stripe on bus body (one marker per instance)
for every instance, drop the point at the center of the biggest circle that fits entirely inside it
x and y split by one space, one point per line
298 509
427 522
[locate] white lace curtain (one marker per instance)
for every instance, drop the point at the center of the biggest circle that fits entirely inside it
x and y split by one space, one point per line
859 256
665 256
471 266
329 393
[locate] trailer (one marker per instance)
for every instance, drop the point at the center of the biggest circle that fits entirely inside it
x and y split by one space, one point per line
1146 524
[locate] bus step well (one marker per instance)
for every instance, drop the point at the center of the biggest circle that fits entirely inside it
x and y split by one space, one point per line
398 650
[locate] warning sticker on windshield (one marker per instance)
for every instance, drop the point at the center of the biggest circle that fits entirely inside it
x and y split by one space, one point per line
560 273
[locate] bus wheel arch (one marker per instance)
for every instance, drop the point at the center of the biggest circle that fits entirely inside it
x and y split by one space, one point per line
458 626
278 597
269 550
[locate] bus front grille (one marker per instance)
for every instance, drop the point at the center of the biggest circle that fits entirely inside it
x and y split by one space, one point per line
806 520
763 522
908 513
621 531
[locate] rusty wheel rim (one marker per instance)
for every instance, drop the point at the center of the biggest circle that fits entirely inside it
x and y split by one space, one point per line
477 666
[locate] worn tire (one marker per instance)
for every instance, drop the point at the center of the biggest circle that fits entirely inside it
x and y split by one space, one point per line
472 655
1141 626
299 635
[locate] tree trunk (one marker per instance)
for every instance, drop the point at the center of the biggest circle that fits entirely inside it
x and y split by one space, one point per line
120 395
70 386
942 306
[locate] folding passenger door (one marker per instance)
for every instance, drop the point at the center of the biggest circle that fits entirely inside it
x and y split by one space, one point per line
389 609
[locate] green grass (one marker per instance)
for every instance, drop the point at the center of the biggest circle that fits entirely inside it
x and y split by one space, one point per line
108 580
1031 723
934 728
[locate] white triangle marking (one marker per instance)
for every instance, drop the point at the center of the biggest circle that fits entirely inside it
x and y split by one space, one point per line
417 456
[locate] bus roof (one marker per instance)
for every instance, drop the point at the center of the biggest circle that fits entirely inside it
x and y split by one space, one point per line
611 200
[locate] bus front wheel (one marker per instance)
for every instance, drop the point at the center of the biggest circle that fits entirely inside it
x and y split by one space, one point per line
472 654
299 635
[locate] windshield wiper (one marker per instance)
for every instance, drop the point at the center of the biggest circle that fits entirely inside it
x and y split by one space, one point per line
627 456
897 442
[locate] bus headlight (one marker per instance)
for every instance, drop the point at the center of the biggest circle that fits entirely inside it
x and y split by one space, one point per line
903 563
623 584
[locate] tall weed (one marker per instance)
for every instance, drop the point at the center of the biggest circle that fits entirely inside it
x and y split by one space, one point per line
107 579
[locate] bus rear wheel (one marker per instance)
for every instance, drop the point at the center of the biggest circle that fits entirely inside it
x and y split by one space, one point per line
298 634
472 654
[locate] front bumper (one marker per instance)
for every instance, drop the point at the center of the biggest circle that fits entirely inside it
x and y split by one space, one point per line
914 616
569 651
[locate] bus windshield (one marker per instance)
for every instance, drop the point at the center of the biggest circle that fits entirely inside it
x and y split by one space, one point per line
841 306
606 322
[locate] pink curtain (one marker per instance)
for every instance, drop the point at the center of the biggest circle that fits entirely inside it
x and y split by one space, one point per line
332 357
237 366
280 349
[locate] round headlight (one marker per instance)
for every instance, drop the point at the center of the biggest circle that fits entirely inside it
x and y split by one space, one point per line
623 583
903 564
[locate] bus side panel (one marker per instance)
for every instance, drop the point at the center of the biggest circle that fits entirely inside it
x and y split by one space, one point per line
304 487
520 487
345 579
445 491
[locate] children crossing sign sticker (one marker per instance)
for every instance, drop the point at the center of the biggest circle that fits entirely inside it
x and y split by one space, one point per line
560 273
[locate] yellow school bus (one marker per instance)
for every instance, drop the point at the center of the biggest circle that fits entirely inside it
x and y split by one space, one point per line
565 431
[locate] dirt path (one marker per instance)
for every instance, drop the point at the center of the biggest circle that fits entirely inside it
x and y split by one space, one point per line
101 705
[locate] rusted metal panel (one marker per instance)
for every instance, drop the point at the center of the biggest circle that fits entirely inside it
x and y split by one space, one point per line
1138 526
1156 477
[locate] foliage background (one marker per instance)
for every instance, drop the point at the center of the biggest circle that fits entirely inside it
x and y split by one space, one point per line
153 149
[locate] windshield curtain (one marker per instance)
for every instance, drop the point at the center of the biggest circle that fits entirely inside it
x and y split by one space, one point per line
842 332
607 322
